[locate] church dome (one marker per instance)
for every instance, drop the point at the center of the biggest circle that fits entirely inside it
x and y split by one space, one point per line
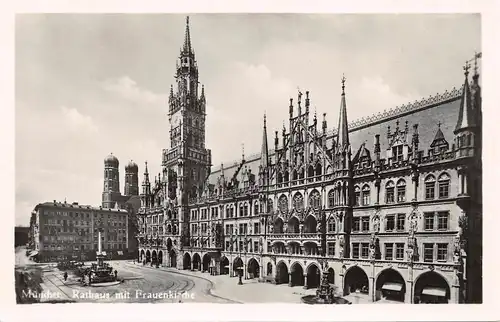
111 160
132 167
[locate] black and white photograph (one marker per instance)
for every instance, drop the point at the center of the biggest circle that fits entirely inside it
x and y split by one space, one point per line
248 158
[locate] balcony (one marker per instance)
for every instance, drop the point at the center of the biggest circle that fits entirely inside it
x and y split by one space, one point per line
295 236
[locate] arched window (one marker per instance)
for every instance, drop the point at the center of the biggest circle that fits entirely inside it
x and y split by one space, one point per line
357 196
286 176
256 208
301 173
389 192
310 171
283 204
444 186
318 169
241 211
298 202
294 175
332 225
331 198
270 206
315 200
430 187
401 190
280 177
366 195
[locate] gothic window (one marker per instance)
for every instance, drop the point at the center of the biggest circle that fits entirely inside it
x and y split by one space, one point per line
310 171
286 177
294 175
444 185
315 200
357 196
332 226
280 177
430 187
389 192
301 173
270 206
401 187
298 201
283 204
331 199
318 169
241 211
256 208
366 195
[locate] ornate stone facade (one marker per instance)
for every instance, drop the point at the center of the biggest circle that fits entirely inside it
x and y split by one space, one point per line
399 218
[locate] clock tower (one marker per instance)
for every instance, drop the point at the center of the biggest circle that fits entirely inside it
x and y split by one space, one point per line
186 165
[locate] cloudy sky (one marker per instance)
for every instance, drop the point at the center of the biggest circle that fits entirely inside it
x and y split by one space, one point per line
89 85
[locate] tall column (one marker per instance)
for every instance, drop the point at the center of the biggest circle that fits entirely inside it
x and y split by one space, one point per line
290 279
305 281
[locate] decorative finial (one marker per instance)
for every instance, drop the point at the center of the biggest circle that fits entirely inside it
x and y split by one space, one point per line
439 124
343 83
265 119
476 56
466 68
243 151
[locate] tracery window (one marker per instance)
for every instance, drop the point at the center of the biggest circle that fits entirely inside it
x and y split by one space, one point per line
366 195
401 190
331 198
298 202
270 206
357 196
430 187
315 200
283 204
444 185
389 192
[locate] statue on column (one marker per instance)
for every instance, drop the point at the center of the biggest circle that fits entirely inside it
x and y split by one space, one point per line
372 246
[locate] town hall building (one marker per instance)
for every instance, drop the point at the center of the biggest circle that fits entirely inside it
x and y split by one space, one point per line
389 206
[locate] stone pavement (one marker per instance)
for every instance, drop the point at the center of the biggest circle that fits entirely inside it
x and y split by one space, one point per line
250 292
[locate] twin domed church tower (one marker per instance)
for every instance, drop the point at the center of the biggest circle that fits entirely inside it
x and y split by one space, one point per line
111 195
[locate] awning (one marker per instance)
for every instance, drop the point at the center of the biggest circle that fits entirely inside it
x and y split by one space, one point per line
393 287
434 291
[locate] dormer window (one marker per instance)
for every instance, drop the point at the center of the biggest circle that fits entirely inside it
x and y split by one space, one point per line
397 153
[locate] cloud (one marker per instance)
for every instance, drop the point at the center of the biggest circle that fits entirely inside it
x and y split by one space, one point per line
128 89
78 121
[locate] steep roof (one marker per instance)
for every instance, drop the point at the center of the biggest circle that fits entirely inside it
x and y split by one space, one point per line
427 113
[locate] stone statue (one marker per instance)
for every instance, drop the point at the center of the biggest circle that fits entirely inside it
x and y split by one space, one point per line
413 223
376 224
271 229
261 245
372 252
301 228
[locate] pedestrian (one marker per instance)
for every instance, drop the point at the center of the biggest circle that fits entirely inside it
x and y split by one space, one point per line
65 276
116 274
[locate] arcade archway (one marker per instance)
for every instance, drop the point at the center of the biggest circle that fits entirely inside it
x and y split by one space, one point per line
391 285
206 262
148 256
237 266
173 258
196 261
186 262
224 266
160 257
355 280
282 273
142 256
313 276
331 276
297 275
430 287
253 268
154 258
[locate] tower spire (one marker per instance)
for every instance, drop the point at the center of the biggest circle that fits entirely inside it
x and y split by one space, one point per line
466 115
264 158
342 130
187 38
